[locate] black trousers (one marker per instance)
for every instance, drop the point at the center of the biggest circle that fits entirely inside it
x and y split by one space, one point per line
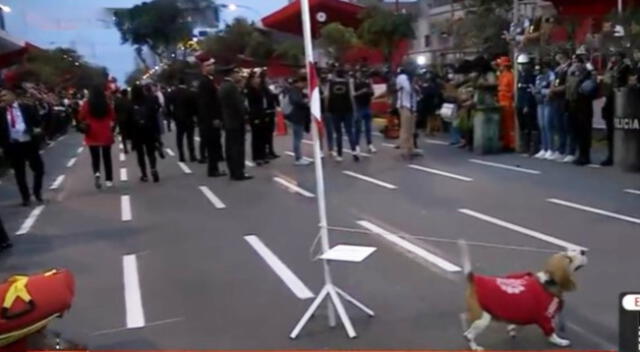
185 130
234 147
105 152
528 125
608 110
581 122
270 128
4 237
19 154
211 140
259 135
146 151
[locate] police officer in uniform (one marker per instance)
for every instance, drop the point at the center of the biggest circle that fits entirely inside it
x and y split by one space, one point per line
234 114
183 108
210 119
616 76
526 107
341 106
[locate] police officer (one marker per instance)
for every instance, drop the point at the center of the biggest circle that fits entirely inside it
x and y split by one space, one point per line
210 119
341 106
526 108
234 114
581 90
616 76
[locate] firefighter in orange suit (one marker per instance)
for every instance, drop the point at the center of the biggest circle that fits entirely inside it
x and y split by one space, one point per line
506 100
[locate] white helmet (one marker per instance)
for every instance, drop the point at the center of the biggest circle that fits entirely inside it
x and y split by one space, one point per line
523 59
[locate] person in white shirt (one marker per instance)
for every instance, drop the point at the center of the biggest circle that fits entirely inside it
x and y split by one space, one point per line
405 103
20 137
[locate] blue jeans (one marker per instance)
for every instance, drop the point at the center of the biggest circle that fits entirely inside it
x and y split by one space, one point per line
560 118
454 133
346 120
328 127
298 134
363 116
546 126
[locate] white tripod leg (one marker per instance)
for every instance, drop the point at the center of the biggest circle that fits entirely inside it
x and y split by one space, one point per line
307 315
475 329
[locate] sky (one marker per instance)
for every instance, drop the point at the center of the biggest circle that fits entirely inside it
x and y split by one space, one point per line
82 25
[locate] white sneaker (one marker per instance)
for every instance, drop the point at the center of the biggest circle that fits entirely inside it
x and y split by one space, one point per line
338 158
557 156
357 152
302 162
541 154
108 184
548 155
372 149
569 159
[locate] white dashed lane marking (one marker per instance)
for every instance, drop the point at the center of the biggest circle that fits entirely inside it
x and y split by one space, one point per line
132 292
595 210
441 173
185 168
286 275
370 179
56 184
212 197
293 187
28 223
417 250
506 167
125 208
521 229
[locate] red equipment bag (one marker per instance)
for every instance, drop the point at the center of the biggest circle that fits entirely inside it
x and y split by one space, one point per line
29 303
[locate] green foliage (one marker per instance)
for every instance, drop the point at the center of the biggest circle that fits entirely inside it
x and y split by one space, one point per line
176 69
62 67
240 38
336 39
260 47
134 76
158 25
483 26
290 52
382 29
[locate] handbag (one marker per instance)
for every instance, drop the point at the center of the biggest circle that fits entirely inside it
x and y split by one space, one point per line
449 112
82 127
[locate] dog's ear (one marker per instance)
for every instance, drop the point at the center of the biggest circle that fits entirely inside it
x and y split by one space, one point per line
559 269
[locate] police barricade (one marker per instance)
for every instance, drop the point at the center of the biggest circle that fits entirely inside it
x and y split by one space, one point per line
627 129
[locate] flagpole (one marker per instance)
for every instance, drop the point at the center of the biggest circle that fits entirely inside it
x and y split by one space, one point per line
320 192
329 292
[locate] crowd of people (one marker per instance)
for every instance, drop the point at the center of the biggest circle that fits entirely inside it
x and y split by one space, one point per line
549 111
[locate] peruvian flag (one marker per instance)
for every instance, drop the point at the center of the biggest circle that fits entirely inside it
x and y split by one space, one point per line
314 92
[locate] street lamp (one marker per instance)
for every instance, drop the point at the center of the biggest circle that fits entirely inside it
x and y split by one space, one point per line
5 8
235 7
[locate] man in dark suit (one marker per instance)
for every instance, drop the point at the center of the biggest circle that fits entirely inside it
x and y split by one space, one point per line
210 118
183 110
20 137
234 114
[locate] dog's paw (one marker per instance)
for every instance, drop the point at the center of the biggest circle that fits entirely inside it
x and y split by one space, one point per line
512 330
558 341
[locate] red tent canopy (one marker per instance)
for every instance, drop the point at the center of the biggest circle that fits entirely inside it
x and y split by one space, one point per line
288 19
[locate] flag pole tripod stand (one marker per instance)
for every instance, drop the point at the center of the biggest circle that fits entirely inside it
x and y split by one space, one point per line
330 292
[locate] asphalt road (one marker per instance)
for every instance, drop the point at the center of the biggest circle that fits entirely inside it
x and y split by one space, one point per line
178 272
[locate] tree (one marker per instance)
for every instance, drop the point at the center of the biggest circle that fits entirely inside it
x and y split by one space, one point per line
336 39
483 27
134 76
290 52
158 25
62 67
383 29
240 38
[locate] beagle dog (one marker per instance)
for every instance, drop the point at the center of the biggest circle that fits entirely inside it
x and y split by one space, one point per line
521 298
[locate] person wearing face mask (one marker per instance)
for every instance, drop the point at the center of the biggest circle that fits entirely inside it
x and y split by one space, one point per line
581 90
341 106
616 76
526 106
558 102
544 79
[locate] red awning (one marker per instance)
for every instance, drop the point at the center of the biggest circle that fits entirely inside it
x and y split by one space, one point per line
288 19
592 8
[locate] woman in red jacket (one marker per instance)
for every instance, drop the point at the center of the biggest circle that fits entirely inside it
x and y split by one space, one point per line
98 116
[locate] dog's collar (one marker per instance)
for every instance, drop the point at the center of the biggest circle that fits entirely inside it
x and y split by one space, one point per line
549 283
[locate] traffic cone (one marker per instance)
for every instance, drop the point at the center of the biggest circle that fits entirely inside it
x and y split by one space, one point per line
281 126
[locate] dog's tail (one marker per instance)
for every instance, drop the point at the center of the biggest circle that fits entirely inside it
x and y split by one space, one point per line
466 259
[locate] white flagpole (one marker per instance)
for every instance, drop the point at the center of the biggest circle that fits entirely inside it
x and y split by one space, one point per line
320 192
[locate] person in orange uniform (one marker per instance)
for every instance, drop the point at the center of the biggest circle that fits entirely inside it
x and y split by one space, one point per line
506 102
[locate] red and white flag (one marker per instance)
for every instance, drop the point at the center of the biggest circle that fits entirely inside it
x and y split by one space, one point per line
314 92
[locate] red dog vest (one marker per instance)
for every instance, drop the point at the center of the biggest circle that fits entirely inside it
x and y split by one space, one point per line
518 299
